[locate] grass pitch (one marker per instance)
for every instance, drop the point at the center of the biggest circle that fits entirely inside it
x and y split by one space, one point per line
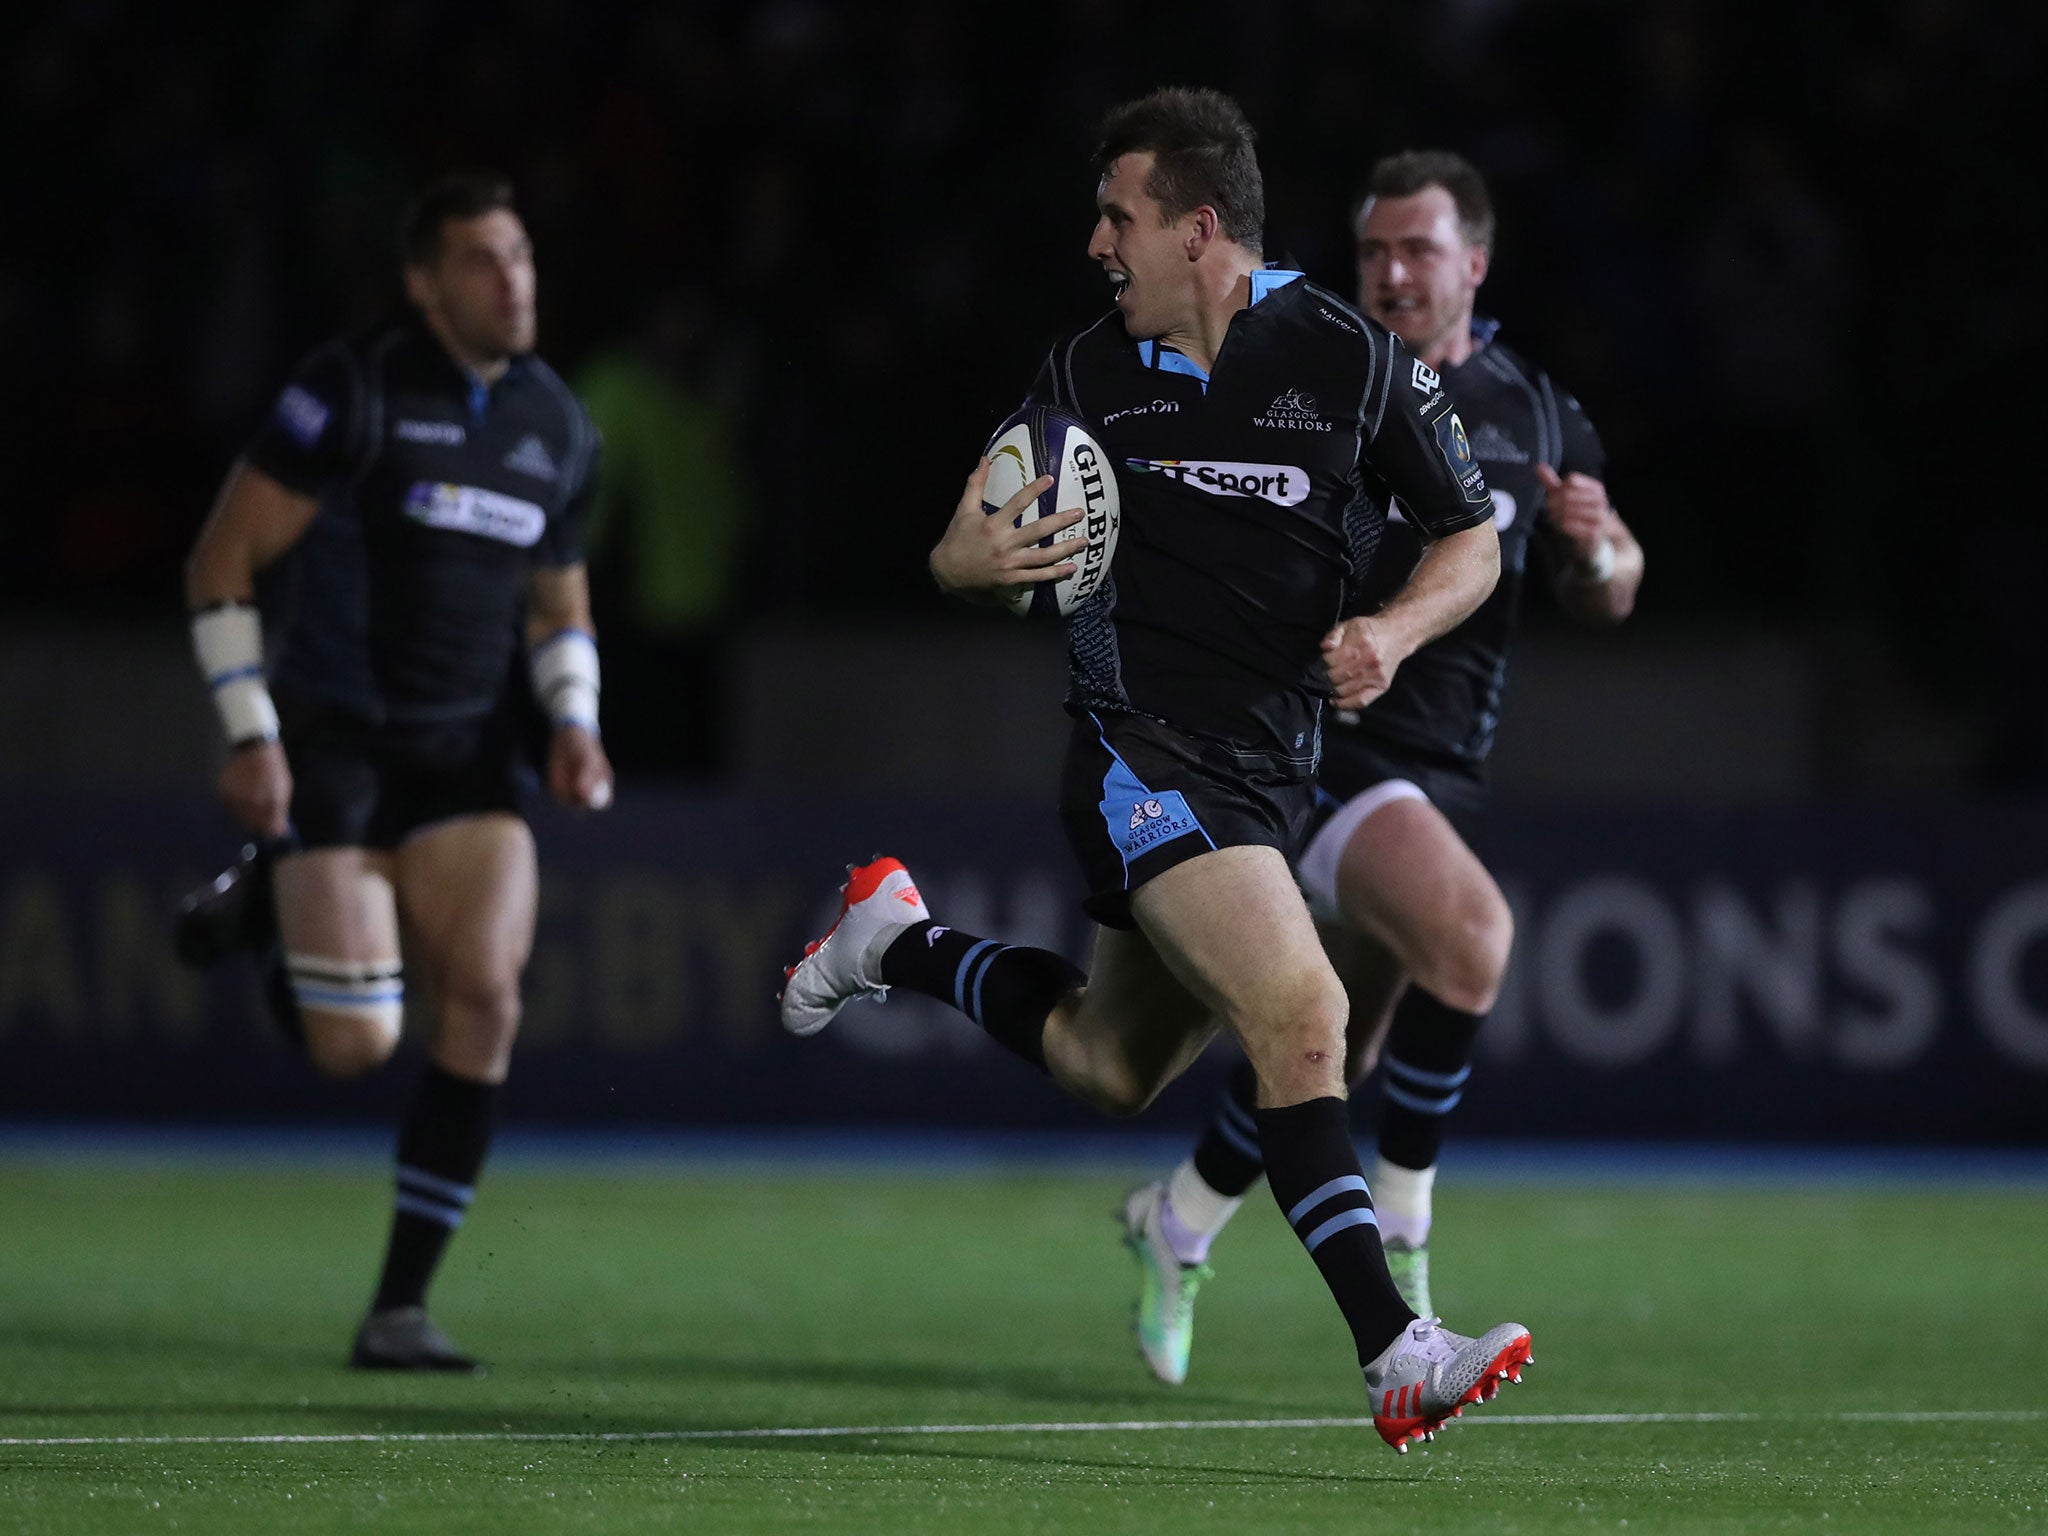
1844 1359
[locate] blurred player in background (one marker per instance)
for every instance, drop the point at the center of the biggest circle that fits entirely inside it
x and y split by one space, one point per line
1418 929
1199 676
426 491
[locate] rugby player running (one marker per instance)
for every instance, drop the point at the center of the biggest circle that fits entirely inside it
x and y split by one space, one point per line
1417 928
1199 675
429 487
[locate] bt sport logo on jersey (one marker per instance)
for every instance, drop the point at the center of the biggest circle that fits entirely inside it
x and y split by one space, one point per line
1284 485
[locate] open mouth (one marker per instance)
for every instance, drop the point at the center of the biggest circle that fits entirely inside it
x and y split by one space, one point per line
1119 284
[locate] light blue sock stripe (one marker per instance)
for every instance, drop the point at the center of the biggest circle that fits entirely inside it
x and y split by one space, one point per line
421 1182
1229 1109
428 1210
1421 1106
235 674
974 1010
1244 1145
1421 1079
1362 1216
1336 1186
331 997
960 976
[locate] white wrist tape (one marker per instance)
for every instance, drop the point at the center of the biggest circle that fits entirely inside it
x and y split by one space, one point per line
228 642
1598 567
565 678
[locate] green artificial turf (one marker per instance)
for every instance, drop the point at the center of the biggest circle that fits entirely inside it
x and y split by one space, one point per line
141 1301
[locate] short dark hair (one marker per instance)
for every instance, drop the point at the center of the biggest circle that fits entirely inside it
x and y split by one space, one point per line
1417 170
464 195
1202 154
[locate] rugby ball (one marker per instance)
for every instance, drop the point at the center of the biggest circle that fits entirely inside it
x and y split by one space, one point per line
1037 441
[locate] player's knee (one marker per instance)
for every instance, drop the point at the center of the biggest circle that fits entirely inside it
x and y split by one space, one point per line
1296 1038
1470 962
353 1011
482 1002
1109 1082
345 1046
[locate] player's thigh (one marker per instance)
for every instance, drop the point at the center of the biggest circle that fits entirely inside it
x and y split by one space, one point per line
338 904
1232 927
470 887
1373 983
1407 879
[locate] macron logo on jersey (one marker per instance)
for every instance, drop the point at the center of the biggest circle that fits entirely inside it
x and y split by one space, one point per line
1284 485
447 433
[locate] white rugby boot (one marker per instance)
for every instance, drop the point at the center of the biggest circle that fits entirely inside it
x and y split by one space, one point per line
1165 1318
878 901
1429 1375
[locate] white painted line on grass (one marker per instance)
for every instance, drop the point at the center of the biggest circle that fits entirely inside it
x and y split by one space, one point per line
1089 1427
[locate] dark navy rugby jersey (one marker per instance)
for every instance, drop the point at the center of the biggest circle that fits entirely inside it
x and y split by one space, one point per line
1446 698
1252 497
438 495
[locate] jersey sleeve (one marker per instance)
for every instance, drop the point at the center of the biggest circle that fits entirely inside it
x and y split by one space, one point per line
567 535
1582 452
1417 444
312 436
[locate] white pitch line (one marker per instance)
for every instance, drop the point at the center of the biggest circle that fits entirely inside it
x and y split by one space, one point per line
1088 1427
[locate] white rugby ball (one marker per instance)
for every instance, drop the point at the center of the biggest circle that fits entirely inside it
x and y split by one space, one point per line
1037 441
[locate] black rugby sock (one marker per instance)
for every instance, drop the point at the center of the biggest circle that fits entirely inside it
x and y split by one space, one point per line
441 1147
1426 1062
1313 1170
1228 1157
1008 989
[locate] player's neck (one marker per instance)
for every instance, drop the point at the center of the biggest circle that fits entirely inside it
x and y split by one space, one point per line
1454 347
487 369
1218 297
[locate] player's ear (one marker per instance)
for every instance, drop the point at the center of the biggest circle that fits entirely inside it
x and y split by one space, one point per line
418 286
1481 259
1202 227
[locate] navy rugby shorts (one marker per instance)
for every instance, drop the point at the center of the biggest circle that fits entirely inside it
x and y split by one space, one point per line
1358 776
1354 763
358 785
1138 797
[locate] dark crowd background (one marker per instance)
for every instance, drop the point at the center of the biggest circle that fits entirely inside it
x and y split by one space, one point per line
1786 255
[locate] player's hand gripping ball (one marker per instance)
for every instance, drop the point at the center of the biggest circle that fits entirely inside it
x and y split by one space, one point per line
1040 441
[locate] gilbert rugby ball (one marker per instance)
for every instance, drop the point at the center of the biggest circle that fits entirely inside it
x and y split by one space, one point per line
1041 441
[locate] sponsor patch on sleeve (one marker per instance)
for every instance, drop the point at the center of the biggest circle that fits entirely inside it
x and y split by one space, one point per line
302 414
1456 446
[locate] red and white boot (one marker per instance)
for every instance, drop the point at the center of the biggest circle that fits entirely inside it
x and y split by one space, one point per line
1429 1375
878 901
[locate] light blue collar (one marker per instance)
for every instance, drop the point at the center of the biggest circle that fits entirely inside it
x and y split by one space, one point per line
1266 280
1270 280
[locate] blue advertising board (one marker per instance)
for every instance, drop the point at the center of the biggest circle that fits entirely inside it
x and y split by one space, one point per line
1804 974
